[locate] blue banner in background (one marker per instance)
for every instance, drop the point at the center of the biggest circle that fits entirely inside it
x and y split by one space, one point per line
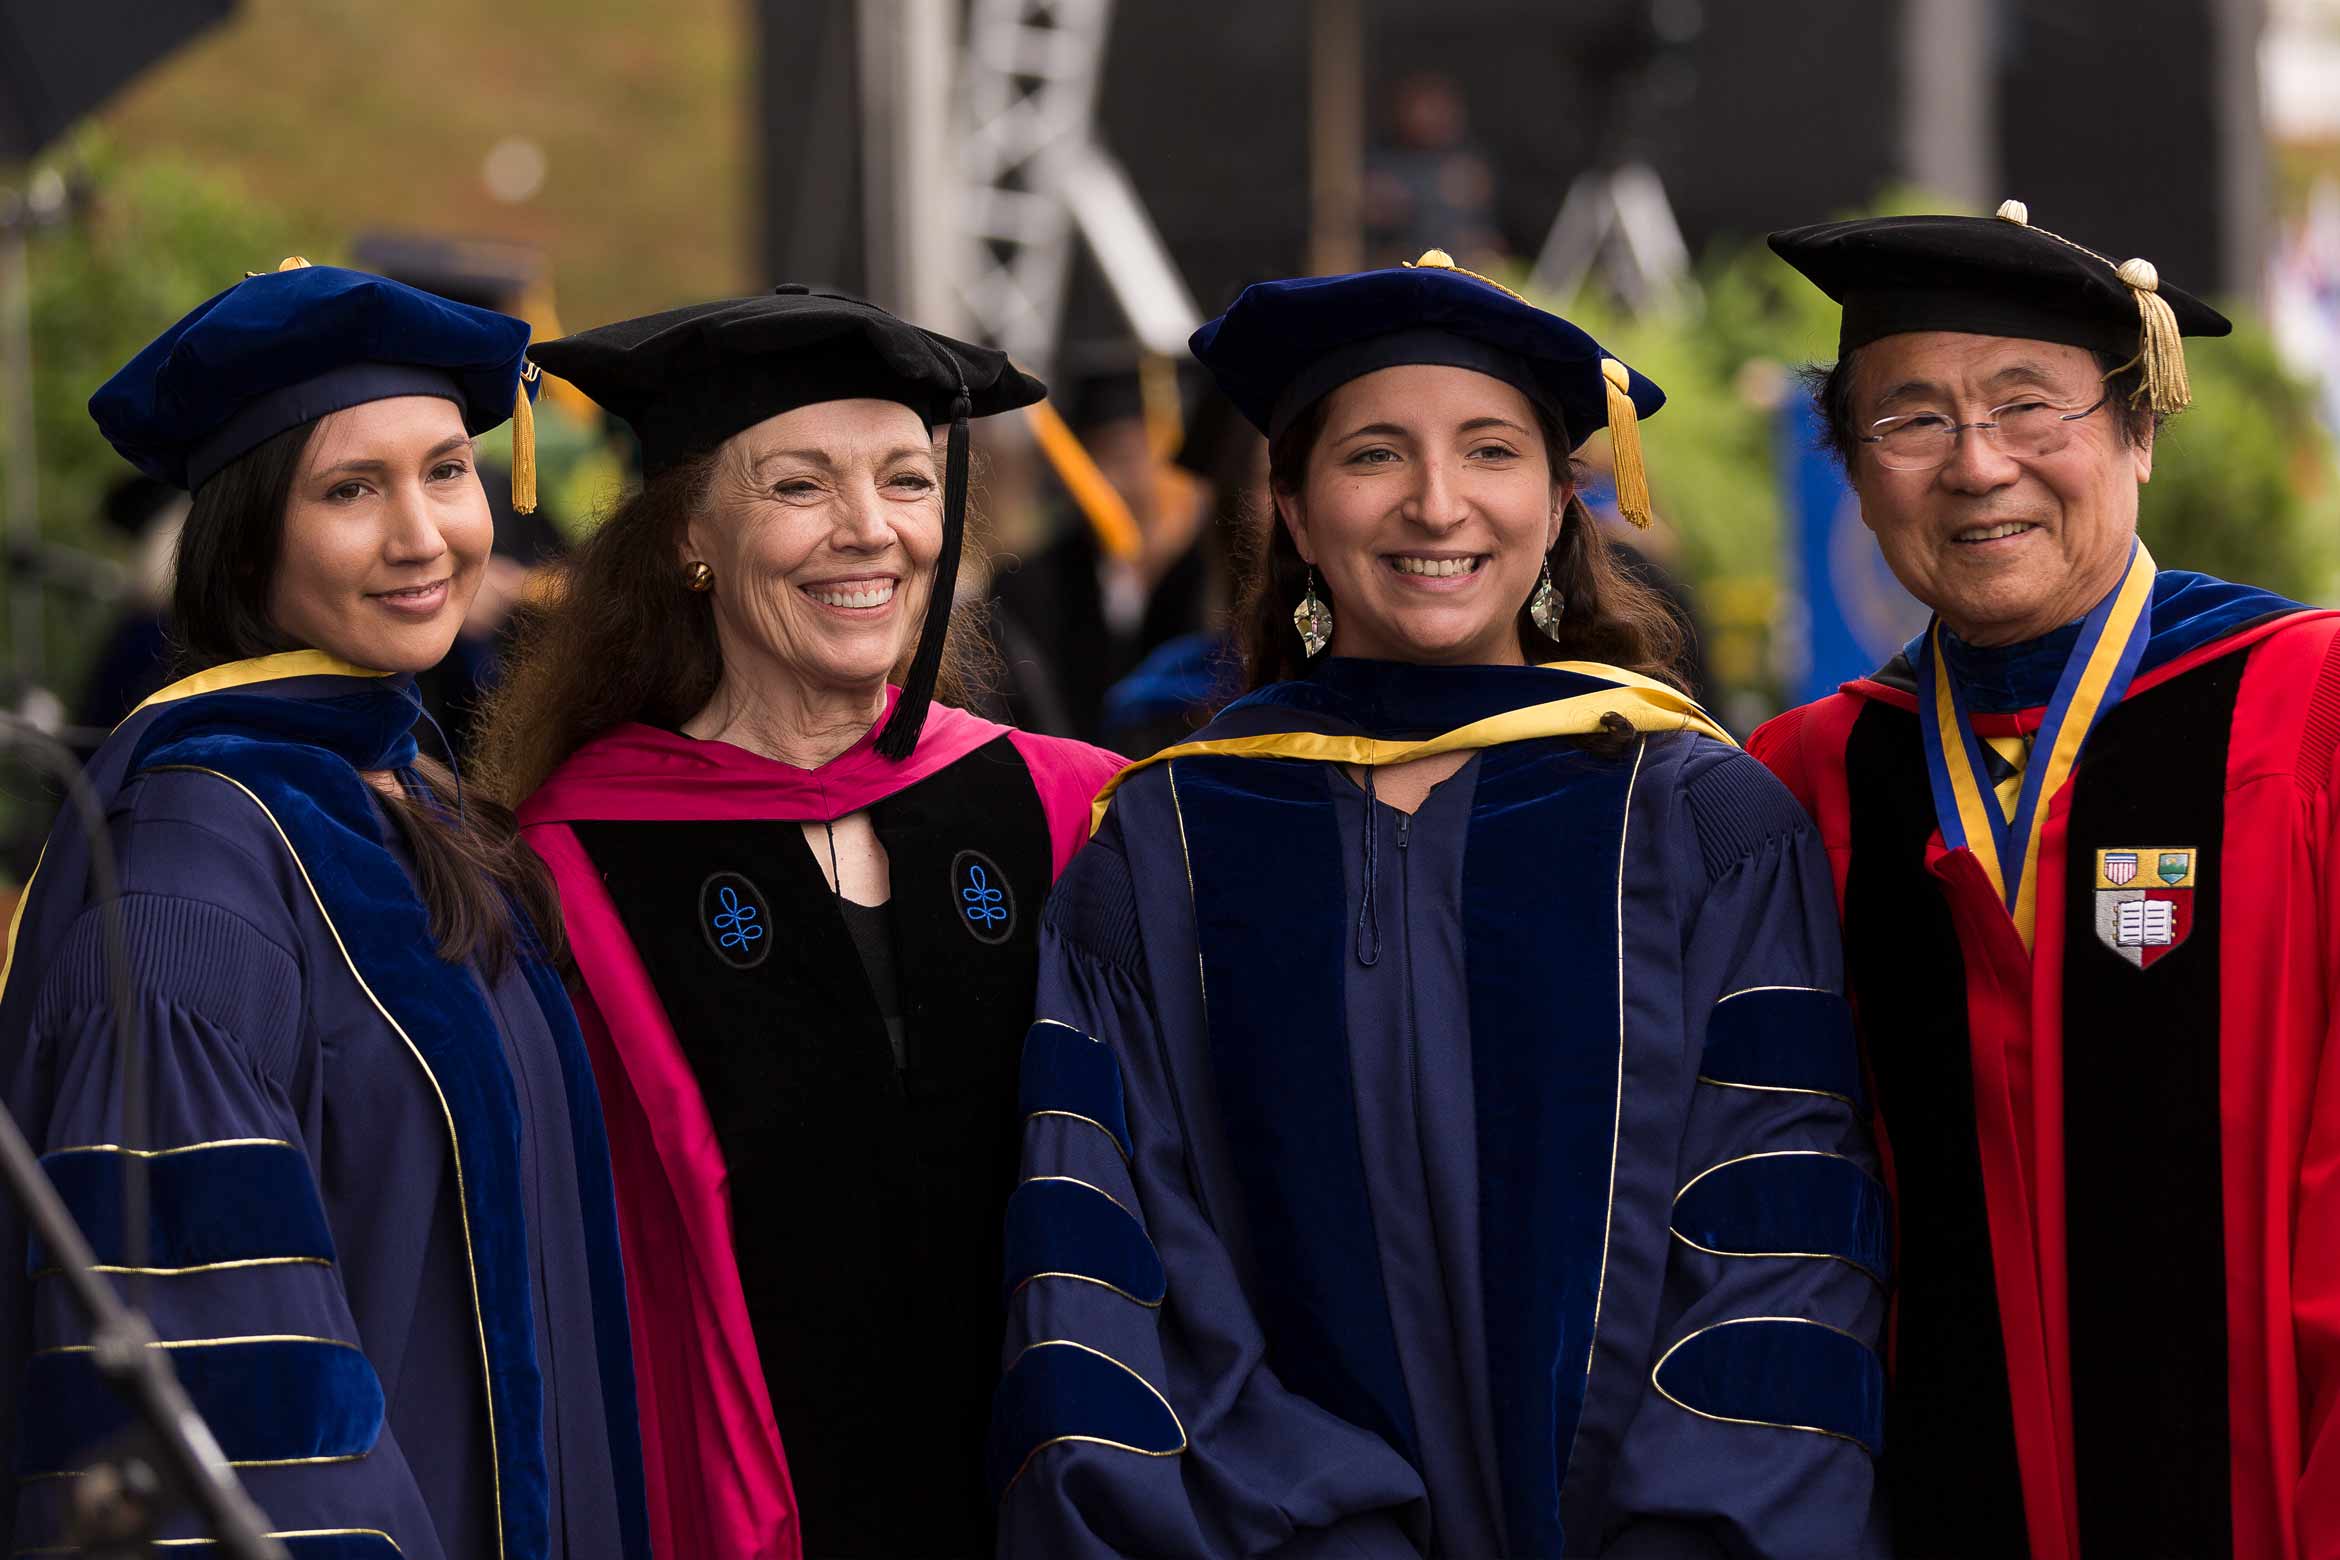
1848 615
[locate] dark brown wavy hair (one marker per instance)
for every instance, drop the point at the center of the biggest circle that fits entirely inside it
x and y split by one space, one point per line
1607 614
485 891
623 639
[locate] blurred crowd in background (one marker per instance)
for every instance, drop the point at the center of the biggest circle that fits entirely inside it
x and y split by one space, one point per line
1081 180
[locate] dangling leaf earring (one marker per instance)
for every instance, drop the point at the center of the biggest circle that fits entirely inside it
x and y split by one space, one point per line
1313 618
1546 605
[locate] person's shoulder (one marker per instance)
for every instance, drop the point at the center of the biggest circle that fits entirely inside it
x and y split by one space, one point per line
194 832
1067 758
1735 805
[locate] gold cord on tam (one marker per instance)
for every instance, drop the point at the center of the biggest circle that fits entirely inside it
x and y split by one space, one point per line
524 443
1440 260
2161 347
1631 474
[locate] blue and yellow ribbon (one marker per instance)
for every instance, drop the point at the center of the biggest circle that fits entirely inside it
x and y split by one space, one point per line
2095 677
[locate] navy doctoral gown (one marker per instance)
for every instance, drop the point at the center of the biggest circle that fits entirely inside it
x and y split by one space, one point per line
1485 1181
382 1246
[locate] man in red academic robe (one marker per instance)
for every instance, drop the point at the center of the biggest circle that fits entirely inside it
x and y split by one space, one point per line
2083 834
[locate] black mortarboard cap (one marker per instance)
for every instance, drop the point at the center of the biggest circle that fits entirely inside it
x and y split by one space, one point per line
1284 345
2000 276
689 378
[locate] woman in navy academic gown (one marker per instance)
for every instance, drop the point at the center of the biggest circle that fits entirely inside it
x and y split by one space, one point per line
382 1248
1441 1133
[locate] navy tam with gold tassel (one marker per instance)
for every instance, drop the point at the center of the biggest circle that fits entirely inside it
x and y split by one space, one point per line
1284 345
285 347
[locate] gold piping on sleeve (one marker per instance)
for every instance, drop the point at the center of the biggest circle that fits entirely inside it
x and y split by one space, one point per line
1763 1424
202 1343
187 1272
1093 1440
1779 1153
454 1143
1034 1180
205 1543
1030 1279
1748 991
1774 1088
1074 1115
166 1153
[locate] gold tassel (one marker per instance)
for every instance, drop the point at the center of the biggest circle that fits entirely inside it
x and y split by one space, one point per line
524 445
1632 477
2161 350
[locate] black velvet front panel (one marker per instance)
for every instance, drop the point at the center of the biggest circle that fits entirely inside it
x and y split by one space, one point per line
866 1199
1949 1464
2145 1227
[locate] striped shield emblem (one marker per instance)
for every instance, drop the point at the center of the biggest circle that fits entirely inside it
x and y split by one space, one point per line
2120 867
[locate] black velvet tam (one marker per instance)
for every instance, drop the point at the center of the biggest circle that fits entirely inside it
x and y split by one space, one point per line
689 378
1985 276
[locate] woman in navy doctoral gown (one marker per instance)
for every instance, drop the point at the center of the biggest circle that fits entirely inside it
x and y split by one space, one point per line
1441 1124
381 1247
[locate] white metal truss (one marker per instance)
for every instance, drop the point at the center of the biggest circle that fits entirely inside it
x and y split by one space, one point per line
1033 178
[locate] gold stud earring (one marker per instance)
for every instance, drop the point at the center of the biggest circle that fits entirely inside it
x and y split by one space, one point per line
699 575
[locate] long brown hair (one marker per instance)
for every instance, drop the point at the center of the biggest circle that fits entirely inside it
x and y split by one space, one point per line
1608 615
485 892
623 639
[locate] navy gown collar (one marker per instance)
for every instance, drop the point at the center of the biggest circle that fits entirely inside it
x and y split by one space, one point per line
2189 611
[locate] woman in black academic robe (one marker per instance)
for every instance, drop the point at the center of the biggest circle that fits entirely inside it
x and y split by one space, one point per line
804 907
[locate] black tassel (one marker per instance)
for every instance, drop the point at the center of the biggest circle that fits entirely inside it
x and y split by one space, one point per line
901 734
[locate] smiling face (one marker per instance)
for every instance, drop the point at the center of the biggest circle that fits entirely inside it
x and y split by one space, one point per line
2004 547
385 536
1428 506
822 526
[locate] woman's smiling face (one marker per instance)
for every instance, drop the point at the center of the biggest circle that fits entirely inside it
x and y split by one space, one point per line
1429 503
386 534
822 526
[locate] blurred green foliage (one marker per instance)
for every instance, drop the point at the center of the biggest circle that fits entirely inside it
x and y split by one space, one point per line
147 239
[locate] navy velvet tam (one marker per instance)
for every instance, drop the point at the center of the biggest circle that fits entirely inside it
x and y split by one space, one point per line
1285 345
285 347
2000 276
690 378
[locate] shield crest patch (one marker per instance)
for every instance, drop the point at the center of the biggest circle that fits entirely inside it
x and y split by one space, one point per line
2146 922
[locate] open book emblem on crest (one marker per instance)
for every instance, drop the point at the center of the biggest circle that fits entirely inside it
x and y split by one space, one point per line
2145 921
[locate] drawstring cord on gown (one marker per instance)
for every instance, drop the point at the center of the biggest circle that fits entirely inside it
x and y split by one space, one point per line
1369 912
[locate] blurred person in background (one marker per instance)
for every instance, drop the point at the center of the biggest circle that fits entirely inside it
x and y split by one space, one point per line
383 1242
134 659
1437 1053
1088 616
1428 182
803 900
2083 836
1181 682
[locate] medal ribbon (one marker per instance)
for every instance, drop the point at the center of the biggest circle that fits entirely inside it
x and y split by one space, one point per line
2095 677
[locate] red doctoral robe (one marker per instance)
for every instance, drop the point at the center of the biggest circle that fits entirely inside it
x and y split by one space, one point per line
2116 1158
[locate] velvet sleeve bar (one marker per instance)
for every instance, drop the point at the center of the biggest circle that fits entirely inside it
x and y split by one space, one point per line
1760 1420
1137 1415
241 1280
